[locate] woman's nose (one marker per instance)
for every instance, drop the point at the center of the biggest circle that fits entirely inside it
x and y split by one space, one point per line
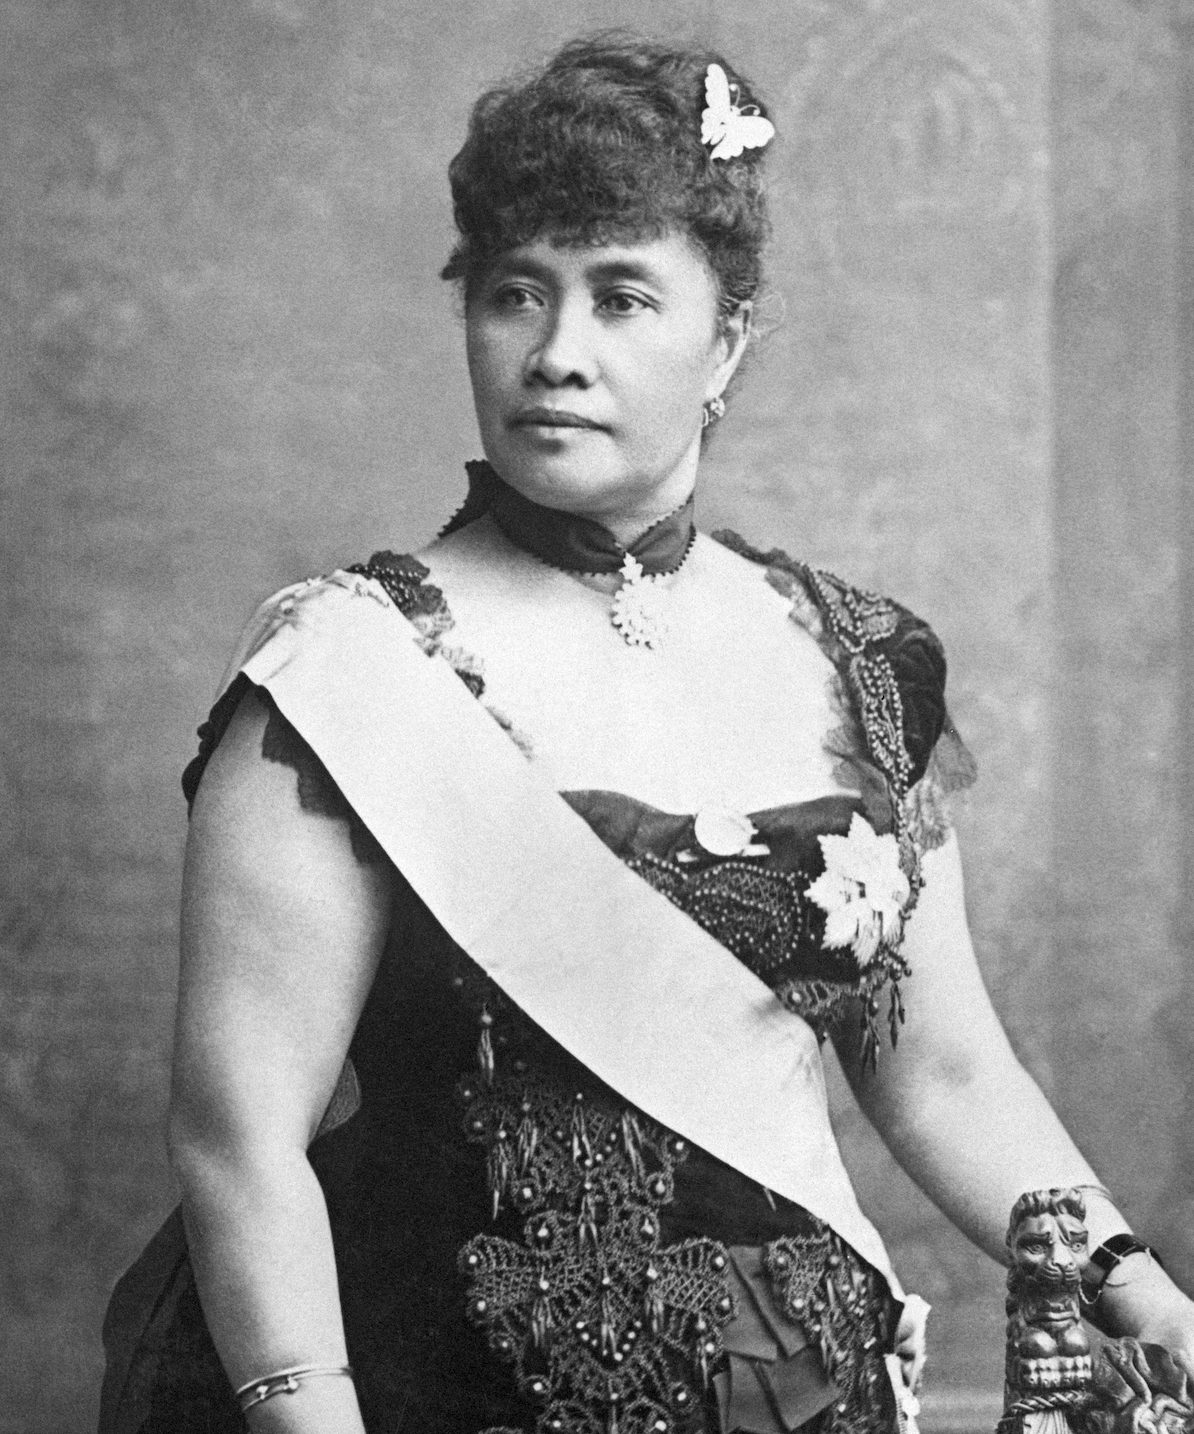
564 352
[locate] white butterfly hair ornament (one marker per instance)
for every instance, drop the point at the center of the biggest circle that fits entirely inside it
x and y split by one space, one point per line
725 124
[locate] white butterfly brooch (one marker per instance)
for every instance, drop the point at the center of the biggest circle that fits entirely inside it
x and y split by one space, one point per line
725 124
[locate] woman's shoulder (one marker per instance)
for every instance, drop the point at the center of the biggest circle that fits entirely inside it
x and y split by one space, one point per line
886 654
325 604
858 616
310 604
897 743
843 616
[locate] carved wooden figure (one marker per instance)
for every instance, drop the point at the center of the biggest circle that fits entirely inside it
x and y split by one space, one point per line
1140 1389
1050 1387
1048 1379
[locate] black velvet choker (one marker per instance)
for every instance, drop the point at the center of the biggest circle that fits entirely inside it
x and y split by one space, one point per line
567 540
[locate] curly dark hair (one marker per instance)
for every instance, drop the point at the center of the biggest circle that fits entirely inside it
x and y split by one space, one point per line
602 143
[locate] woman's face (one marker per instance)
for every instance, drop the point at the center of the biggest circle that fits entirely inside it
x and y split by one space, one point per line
590 366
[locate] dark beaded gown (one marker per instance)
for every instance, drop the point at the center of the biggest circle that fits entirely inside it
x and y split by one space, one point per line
517 1249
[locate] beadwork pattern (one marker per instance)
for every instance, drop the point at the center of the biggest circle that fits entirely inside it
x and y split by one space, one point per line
820 1283
764 917
858 624
404 579
859 620
604 1326
761 915
607 1331
589 1177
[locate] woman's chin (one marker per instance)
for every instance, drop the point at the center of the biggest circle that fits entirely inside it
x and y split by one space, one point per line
566 475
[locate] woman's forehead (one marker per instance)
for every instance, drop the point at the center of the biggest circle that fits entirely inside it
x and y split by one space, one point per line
670 257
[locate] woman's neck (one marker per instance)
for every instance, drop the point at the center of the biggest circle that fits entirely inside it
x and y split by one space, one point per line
628 525
577 542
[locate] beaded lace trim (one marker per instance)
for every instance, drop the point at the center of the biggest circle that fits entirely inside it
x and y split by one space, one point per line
606 1330
854 627
758 913
819 1282
765 918
423 605
860 621
605 1327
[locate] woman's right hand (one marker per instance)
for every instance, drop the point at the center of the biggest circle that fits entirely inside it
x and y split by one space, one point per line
910 1340
282 928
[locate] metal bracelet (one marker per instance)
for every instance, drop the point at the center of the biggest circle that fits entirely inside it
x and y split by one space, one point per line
285 1381
1108 1256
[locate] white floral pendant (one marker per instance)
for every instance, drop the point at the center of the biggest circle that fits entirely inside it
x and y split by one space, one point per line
863 891
638 610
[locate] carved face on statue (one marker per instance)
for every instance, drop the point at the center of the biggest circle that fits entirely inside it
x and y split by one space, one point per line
1047 1347
1046 1250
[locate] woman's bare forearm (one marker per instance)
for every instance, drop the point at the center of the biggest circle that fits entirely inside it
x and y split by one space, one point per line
974 1130
952 1101
261 1248
975 1141
975 1148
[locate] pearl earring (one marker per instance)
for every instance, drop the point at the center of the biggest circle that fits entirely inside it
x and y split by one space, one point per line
713 411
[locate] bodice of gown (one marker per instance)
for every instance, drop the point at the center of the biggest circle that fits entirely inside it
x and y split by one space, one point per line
518 1249
529 1253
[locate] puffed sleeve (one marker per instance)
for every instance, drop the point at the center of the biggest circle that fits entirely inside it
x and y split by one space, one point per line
941 763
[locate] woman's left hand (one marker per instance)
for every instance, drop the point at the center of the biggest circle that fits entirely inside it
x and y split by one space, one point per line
1174 1334
1139 1299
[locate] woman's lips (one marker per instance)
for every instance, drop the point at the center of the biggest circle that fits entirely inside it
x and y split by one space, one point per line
551 418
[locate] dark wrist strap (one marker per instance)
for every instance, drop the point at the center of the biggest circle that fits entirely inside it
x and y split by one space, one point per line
1109 1254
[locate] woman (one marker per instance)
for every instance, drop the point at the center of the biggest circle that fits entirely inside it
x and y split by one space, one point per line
469 1091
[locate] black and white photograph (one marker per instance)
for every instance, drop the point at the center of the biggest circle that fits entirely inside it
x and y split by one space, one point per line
597 717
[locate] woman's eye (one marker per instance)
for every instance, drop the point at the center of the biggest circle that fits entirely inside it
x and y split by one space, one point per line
623 302
515 296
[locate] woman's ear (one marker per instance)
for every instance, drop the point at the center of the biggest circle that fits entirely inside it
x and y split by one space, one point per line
733 332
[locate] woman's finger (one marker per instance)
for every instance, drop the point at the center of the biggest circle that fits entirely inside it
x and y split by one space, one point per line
910 1340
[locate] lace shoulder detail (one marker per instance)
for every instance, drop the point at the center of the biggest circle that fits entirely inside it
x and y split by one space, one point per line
896 741
423 604
317 789
928 807
404 579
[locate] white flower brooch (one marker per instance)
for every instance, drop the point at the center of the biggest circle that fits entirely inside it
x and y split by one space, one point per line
863 891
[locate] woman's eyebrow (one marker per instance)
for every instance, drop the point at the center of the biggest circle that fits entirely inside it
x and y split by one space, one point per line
514 266
600 271
607 270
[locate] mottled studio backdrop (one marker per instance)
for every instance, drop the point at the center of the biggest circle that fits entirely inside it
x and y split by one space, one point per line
225 362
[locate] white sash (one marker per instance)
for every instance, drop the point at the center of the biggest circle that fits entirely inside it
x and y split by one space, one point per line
632 987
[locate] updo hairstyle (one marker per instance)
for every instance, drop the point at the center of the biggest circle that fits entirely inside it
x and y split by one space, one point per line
602 144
